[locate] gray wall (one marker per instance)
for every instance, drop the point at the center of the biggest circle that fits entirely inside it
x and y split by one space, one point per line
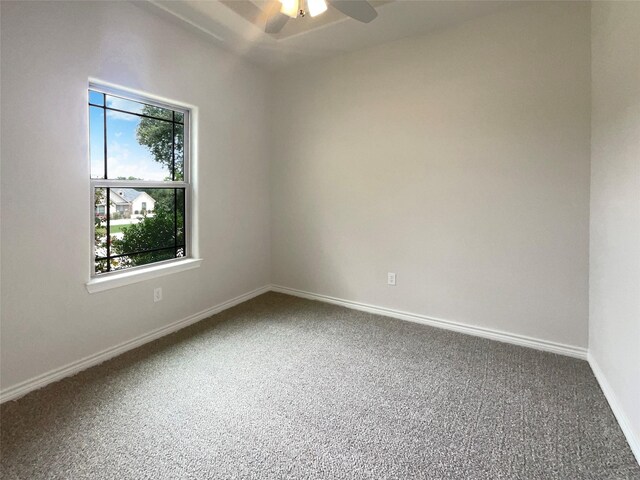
458 160
614 323
49 51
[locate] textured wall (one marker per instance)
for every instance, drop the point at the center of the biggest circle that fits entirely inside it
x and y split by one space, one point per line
458 160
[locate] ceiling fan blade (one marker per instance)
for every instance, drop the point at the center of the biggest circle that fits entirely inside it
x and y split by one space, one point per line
360 10
276 23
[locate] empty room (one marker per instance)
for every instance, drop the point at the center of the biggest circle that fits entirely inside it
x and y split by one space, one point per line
320 239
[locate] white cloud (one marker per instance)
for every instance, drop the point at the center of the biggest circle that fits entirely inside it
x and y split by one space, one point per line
122 162
122 116
123 104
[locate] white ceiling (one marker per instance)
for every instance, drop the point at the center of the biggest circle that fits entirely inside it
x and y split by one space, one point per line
241 27
257 11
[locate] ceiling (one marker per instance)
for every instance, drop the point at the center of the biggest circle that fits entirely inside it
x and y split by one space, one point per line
238 25
257 11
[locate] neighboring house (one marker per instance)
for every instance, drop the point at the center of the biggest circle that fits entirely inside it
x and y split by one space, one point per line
128 201
139 202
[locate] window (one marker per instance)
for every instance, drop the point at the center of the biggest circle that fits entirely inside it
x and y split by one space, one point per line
139 153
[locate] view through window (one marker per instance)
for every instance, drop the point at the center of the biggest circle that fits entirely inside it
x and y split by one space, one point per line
139 180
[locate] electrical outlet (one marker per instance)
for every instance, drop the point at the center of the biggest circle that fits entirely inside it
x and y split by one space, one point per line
391 278
157 294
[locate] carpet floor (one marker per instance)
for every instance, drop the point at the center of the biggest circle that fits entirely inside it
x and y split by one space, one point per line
281 387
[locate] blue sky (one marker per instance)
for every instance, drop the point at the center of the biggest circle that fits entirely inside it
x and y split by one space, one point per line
125 157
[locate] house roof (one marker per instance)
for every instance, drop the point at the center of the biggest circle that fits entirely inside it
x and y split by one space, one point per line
115 198
129 194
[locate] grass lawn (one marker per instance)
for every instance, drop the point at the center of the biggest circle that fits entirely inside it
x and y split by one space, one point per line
114 229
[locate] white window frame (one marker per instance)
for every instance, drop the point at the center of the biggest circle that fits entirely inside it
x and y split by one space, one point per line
107 280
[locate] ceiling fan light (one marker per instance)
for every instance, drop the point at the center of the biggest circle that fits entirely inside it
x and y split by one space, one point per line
290 8
316 7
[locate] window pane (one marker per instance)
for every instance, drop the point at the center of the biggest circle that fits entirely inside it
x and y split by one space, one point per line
138 147
152 222
120 103
96 98
100 229
157 112
180 117
96 141
179 152
144 225
180 216
139 259
131 106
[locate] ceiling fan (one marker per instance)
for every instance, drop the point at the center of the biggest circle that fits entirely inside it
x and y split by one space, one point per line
360 10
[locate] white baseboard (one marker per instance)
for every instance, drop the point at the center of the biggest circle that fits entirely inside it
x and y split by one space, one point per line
40 381
16 391
522 340
623 421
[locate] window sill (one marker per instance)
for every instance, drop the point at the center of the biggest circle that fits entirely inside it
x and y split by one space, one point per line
127 278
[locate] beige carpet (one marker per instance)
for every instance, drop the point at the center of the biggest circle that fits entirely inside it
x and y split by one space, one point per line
281 387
